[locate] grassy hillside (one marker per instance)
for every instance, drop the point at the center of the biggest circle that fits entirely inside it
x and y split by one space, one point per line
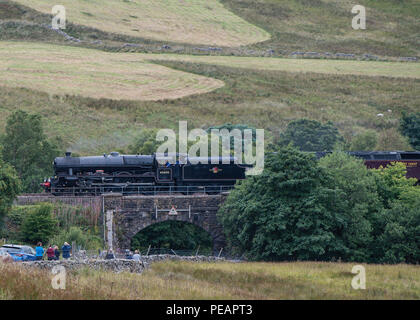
293 25
261 98
392 27
189 21
189 281
61 70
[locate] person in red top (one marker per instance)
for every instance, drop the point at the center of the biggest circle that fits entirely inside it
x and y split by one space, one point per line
50 253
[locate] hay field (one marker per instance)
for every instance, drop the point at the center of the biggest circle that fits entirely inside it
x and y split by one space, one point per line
186 21
64 70
324 66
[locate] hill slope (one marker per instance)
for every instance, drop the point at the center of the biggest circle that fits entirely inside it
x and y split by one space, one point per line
185 21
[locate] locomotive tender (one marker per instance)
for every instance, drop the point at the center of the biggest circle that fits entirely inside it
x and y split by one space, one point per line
143 174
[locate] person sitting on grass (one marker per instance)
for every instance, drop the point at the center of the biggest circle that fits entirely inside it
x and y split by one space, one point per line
50 253
66 250
39 251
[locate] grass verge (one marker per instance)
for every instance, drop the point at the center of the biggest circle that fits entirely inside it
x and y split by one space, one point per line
188 281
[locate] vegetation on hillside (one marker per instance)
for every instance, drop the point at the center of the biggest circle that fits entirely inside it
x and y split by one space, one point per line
28 150
292 25
260 99
410 127
301 209
224 280
325 25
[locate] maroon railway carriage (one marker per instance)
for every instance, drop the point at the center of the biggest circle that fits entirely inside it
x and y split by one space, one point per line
377 159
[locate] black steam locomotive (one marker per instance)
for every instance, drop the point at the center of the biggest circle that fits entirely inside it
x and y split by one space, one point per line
142 174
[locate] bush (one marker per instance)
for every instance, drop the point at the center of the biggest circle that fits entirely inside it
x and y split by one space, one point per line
83 238
410 127
365 141
39 225
311 135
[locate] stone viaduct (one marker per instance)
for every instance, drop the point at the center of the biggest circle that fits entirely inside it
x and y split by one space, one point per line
122 217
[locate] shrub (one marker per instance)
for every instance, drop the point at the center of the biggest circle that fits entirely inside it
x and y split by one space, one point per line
39 225
311 135
410 127
83 238
365 141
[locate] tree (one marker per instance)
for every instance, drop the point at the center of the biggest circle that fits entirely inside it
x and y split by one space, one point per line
365 141
356 200
145 143
9 187
39 225
410 127
311 135
279 215
28 150
396 228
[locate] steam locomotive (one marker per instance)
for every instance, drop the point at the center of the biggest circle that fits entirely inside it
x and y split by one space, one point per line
142 174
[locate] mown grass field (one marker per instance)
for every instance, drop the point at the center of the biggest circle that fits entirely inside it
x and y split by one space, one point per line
333 67
189 281
61 70
185 21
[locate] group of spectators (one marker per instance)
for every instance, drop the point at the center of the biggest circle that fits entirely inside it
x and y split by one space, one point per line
52 253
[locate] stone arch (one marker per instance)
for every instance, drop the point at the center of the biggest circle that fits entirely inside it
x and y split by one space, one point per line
199 226
133 214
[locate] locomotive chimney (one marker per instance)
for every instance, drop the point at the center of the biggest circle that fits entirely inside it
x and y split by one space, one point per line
68 154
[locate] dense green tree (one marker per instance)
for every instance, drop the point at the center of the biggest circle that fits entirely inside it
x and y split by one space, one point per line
145 143
39 225
28 150
410 127
176 235
9 187
311 135
280 214
356 200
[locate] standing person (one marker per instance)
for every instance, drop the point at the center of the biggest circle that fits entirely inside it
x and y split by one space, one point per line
66 250
136 255
56 253
39 251
50 253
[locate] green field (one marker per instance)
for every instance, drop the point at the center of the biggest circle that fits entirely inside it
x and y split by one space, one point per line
61 70
224 280
333 67
185 21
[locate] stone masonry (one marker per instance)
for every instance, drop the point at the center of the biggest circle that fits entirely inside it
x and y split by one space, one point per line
131 214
